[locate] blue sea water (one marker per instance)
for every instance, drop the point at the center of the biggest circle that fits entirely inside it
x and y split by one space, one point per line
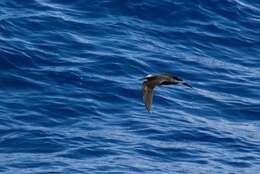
71 98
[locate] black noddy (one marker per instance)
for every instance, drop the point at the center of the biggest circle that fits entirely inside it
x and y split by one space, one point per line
151 81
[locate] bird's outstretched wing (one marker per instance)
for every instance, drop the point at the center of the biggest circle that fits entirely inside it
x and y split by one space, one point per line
147 90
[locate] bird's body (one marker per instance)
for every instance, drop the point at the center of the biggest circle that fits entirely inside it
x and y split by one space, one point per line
151 81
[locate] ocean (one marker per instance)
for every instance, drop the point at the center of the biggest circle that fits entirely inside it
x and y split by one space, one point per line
71 99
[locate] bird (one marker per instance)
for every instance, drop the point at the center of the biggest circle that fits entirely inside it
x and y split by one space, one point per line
151 81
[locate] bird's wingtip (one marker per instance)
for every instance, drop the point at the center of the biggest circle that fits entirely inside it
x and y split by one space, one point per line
186 84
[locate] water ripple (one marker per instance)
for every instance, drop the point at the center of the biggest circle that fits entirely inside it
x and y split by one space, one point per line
71 98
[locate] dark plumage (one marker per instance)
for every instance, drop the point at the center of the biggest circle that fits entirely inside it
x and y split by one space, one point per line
151 81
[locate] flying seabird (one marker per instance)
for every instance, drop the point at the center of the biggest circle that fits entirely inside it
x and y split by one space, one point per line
151 81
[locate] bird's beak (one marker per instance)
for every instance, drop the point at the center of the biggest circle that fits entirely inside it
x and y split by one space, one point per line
186 84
